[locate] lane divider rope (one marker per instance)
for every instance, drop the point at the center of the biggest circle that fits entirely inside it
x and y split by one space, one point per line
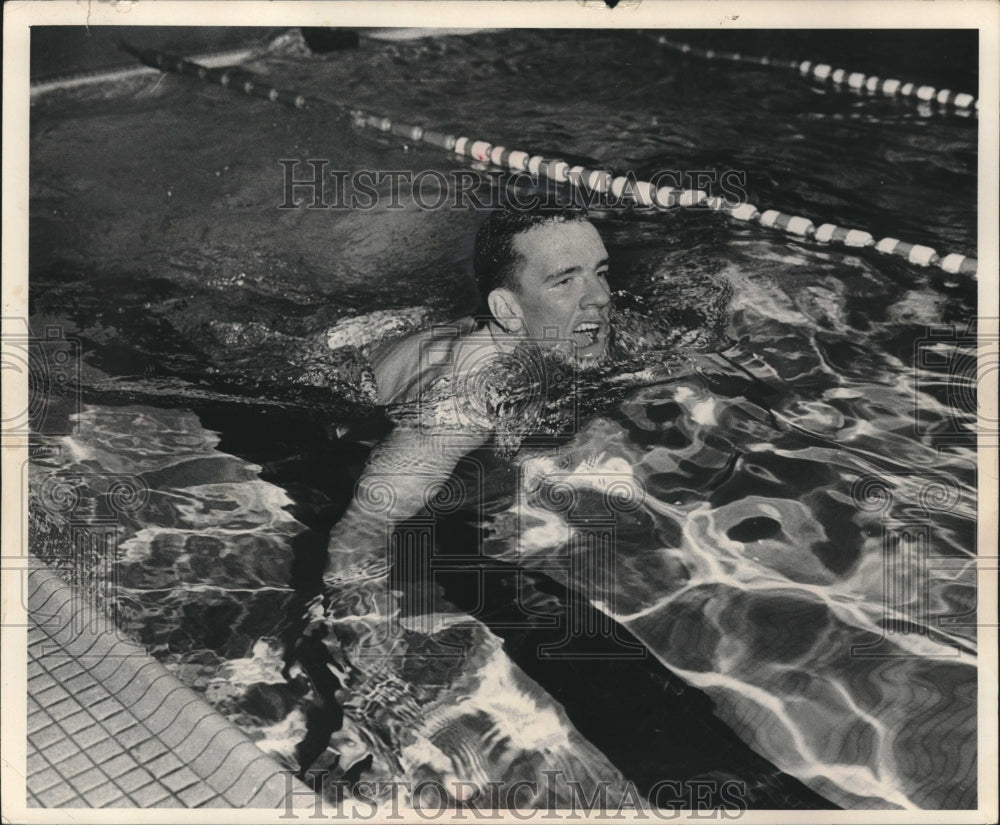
922 111
823 72
227 77
80 79
643 193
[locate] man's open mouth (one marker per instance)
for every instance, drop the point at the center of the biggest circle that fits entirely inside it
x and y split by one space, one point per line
587 334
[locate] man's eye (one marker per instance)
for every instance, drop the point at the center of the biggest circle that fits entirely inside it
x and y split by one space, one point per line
563 282
603 273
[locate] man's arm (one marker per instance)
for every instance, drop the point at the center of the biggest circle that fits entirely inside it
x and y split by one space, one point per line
435 429
401 475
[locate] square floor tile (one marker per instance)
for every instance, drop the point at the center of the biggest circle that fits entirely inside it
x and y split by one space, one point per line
149 795
76 764
163 765
40 781
50 695
61 668
104 708
104 750
135 778
198 794
118 765
37 719
102 795
35 763
77 683
76 723
63 709
60 750
148 750
58 795
132 737
118 722
91 695
83 782
45 737
180 779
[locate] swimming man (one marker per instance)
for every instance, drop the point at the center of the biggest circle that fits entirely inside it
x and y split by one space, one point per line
542 276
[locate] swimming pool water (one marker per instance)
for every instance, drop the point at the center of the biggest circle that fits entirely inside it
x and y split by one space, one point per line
781 479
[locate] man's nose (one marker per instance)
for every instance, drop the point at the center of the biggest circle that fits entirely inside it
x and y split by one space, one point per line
597 293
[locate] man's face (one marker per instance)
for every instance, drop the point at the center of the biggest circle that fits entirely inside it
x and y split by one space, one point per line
562 286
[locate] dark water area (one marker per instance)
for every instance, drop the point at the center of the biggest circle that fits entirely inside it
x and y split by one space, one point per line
58 51
791 414
943 58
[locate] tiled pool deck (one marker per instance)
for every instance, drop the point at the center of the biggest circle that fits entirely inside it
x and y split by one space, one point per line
108 726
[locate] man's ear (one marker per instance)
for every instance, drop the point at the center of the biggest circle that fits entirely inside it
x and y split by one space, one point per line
506 309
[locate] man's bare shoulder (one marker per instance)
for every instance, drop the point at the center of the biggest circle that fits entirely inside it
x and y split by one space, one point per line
407 367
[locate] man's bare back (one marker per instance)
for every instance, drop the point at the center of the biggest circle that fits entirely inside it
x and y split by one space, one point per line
406 368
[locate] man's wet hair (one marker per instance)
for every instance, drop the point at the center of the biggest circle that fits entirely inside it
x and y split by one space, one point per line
495 260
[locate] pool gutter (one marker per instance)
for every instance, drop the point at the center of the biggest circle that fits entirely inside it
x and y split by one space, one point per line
109 726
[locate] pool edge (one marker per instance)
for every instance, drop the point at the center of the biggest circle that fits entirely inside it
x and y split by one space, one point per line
109 726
